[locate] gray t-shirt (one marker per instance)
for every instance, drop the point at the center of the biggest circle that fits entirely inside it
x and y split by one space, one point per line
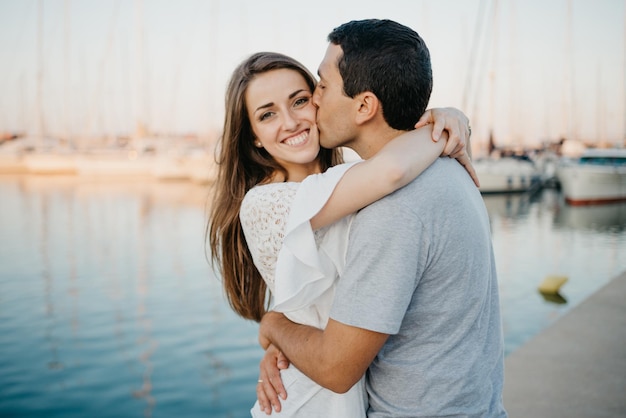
420 267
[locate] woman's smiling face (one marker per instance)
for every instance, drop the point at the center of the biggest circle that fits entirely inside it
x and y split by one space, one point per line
282 117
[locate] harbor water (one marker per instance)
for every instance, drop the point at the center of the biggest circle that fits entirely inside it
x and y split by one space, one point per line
109 307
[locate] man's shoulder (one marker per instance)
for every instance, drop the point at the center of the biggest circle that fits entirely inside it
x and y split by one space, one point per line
443 171
444 175
440 185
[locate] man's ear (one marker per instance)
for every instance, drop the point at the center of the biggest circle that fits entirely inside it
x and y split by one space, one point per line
369 105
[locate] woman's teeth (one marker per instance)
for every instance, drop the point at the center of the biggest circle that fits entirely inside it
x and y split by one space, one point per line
297 140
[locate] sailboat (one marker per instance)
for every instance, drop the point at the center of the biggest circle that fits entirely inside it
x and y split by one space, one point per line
597 176
11 158
43 153
502 172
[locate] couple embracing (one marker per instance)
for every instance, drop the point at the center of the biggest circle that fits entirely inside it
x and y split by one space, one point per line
379 273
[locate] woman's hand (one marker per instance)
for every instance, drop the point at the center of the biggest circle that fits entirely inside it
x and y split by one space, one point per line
455 123
270 385
458 144
465 161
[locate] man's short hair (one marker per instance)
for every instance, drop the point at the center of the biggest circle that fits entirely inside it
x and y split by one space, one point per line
390 60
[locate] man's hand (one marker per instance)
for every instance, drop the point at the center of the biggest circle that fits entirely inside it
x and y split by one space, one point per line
270 386
455 122
265 327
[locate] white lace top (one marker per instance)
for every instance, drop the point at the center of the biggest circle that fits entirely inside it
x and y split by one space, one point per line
298 264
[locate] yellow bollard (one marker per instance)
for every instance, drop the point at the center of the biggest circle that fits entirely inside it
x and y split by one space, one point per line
552 284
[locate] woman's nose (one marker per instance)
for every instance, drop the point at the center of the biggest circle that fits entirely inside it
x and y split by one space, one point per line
290 120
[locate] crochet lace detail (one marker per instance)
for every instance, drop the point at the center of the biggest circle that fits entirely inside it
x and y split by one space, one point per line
264 214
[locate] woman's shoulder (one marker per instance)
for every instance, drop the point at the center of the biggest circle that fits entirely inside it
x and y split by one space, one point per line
269 187
271 191
271 197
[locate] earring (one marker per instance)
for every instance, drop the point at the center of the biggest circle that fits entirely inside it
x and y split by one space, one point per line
258 144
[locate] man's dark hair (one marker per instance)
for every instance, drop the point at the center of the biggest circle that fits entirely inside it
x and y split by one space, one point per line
390 60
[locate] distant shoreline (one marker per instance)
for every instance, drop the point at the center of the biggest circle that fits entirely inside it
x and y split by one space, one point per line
195 166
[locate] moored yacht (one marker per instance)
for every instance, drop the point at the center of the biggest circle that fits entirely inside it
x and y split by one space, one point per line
597 176
507 174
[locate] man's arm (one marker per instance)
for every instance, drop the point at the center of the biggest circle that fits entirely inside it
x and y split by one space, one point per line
335 358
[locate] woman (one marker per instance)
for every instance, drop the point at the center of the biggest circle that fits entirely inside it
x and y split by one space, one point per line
270 145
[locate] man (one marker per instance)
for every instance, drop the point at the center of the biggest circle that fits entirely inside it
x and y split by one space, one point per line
417 305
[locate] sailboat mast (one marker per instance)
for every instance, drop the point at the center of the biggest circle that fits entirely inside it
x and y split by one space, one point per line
571 129
140 103
66 60
40 118
469 89
213 73
492 71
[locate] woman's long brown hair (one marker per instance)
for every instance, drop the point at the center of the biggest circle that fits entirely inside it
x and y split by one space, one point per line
241 166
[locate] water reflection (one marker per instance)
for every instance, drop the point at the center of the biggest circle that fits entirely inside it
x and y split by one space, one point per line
608 217
508 206
540 235
145 341
107 304
553 298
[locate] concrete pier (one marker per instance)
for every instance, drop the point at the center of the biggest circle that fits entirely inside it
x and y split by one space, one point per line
576 368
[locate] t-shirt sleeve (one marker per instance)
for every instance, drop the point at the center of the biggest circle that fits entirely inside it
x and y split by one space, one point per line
386 254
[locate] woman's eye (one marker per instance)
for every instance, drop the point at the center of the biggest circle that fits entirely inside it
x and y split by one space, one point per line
265 115
302 101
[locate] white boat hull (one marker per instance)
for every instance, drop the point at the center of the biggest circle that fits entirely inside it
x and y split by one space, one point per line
506 175
50 163
114 165
170 168
12 164
589 184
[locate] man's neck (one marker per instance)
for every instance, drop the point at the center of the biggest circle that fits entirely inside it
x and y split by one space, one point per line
372 139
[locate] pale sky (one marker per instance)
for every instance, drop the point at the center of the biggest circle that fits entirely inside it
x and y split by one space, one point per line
559 67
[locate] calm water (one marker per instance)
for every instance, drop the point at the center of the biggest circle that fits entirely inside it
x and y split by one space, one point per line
108 307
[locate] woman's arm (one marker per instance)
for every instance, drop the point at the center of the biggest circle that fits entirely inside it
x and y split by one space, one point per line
399 162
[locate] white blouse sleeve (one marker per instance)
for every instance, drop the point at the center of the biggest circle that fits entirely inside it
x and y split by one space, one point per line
305 272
